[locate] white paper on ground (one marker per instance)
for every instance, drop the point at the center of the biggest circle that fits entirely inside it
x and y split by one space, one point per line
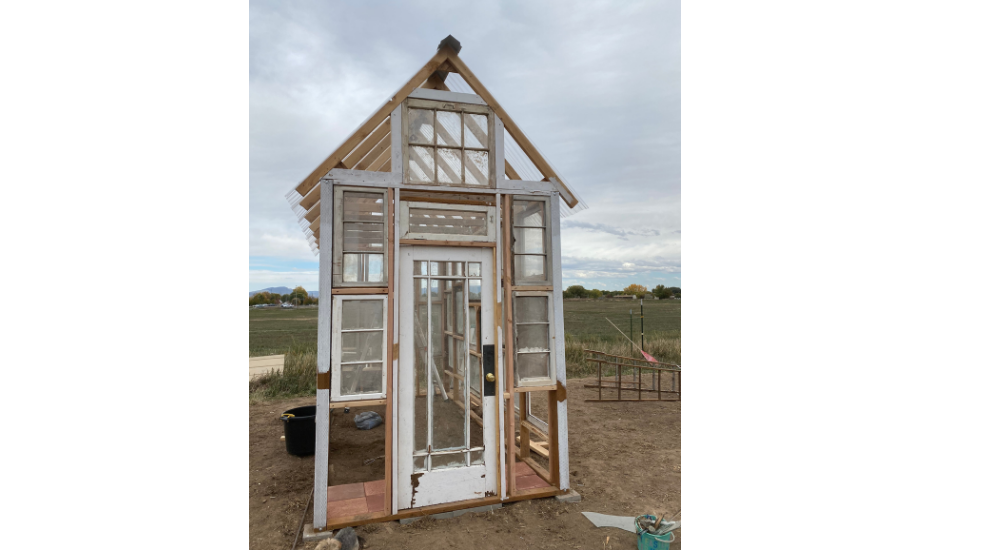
622 522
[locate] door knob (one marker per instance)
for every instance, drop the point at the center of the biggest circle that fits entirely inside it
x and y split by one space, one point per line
490 377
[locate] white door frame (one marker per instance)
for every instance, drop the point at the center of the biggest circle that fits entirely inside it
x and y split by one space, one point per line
455 484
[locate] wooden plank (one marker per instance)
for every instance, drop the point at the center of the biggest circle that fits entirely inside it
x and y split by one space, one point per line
525 443
430 242
362 290
553 438
381 161
389 410
539 469
559 435
359 178
509 343
499 359
499 155
369 143
435 81
536 158
533 428
446 96
392 467
449 199
324 350
375 152
533 287
534 387
358 404
373 121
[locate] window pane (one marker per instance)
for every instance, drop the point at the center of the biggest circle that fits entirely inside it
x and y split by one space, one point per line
531 309
363 237
530 267
474 290
529 212
447 269
448 419
449 128
452 460
476 131
447 222
477 167
532 365
365 268
475 266
529 240
356 379
450 166
363 315
420 314
366 207
421 164
420 126
362 346
476 457
419 464
531 338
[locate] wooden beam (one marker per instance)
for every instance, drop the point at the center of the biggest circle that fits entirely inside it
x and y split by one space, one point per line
519 137
375 152
389 411
509 169
508 341
360 290
373 121
313 214
363 148
357 404
488 244
446 96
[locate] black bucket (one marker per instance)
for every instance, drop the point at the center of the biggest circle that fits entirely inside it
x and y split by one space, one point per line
299 430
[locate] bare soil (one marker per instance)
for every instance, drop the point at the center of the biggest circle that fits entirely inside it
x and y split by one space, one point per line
624 459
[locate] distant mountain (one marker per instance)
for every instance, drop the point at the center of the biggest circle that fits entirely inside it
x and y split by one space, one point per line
283 291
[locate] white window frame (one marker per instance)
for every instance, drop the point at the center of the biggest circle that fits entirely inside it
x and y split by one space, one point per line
537 382
549 266
490 211
463 108
337 236
337 348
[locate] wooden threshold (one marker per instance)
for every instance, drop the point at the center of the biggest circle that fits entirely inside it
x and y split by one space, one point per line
380 516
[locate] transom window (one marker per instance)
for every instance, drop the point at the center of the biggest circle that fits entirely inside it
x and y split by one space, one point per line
449 222
448 144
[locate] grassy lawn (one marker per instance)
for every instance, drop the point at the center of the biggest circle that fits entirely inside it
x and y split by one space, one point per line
274 330
584 319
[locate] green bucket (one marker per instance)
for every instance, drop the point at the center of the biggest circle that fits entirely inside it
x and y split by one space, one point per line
647 540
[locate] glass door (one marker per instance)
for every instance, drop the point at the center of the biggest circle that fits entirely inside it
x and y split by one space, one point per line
447 427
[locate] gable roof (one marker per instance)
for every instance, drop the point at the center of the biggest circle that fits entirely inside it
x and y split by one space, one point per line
369 147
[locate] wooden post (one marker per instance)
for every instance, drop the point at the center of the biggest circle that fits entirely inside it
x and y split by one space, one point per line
599 379
389 317
618 382
508 342
553 437
525 445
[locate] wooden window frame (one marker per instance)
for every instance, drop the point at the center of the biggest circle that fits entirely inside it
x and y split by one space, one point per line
337 237
526 383
337 348
463 109
490 211
547 239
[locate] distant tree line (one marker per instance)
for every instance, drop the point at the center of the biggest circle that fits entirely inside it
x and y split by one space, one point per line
659 291
298 296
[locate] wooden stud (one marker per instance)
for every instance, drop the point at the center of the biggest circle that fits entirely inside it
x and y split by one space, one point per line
392 467
519 137
389 411
323 395
525 451
372 122
362 290
508 341
553 437
510 171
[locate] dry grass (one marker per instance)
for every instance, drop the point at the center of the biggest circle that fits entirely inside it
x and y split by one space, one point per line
658 345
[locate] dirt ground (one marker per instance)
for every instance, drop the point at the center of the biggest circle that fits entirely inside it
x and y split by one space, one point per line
624 459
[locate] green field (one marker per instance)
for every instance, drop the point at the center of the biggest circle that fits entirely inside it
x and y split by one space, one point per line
294 333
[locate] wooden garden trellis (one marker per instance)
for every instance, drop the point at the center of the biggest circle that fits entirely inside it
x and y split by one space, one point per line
636 382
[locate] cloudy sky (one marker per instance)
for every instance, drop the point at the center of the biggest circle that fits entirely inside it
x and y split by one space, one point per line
595 85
